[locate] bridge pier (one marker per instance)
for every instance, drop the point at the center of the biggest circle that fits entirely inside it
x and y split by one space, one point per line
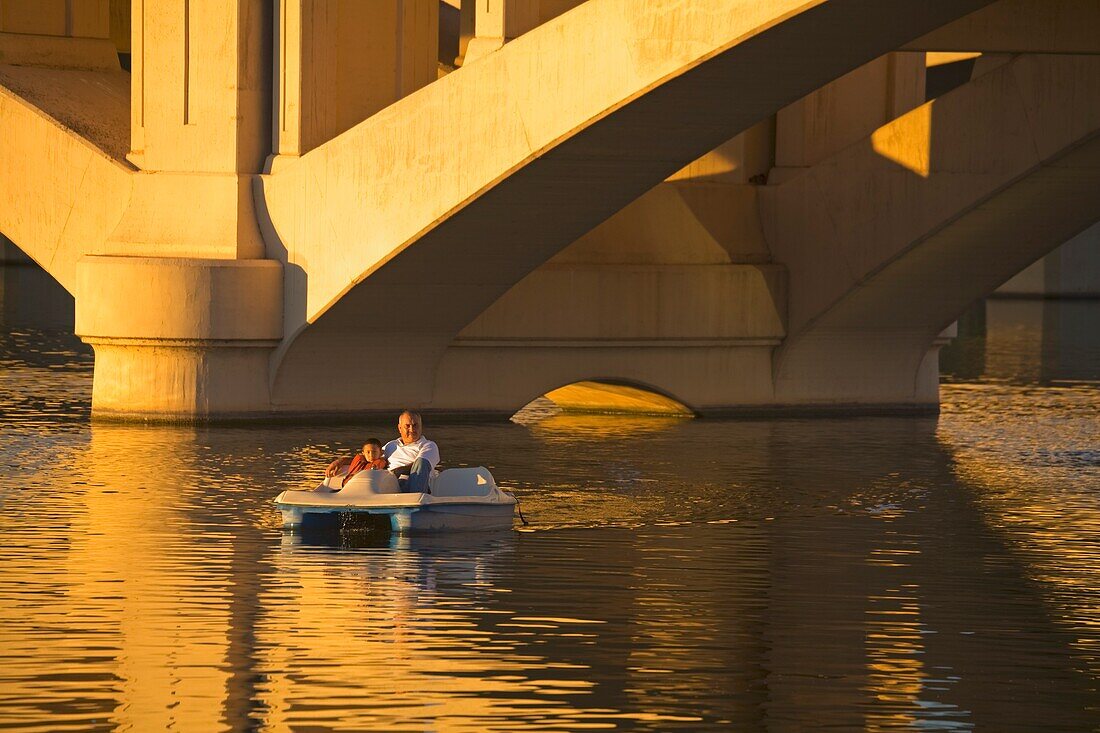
177 338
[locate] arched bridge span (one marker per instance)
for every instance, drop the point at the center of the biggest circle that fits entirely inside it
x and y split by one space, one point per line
394 230
889 241
876 250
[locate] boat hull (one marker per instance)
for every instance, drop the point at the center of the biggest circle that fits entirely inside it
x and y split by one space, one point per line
404 520
462 499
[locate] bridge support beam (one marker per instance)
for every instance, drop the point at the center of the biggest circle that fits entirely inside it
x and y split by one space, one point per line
1020 26
953 214
179 339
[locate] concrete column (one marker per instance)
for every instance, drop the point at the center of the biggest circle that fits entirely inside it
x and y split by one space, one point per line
200 122
340 61
200 86
495 22
179 339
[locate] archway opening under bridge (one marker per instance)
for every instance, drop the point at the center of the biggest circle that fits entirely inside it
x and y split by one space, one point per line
611 397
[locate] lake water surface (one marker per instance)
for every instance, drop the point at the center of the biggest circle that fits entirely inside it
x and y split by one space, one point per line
780 575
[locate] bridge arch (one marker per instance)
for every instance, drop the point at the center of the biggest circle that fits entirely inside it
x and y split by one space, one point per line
597 394
67 205
566 156
616 396
890 241
29 295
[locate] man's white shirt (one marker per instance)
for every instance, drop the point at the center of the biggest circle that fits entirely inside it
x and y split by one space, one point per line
398 454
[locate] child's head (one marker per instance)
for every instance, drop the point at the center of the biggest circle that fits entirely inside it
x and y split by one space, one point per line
372 449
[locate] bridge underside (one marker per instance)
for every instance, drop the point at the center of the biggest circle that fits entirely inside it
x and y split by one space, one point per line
759 212
862 262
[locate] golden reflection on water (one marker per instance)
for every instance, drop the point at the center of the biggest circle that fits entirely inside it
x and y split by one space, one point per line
324 612
895 672
875 574
121 532
157 588
546 422
1043 501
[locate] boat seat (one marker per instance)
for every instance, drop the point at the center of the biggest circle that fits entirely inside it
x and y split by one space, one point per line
463 482
370 482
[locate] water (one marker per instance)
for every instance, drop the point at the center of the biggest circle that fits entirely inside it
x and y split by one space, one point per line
874 573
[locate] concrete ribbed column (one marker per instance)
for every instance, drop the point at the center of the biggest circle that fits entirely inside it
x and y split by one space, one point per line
179 339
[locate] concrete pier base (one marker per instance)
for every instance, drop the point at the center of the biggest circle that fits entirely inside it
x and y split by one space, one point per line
179 339
179 381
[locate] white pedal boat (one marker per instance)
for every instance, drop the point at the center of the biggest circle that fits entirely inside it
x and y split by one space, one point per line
460 499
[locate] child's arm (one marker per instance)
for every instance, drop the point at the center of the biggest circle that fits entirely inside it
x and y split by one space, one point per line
335 466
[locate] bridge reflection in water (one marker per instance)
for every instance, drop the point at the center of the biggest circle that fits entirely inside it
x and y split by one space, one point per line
1026 341
877 573
874 573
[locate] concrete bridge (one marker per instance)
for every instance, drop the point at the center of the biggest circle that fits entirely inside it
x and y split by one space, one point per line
742 206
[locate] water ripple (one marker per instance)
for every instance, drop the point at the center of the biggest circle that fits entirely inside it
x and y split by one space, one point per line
878 573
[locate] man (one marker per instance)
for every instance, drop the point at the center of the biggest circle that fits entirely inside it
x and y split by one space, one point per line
412 457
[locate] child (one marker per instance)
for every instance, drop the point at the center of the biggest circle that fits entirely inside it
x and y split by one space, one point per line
370 458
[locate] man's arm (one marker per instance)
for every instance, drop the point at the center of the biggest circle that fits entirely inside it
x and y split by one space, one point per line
430 453
335 466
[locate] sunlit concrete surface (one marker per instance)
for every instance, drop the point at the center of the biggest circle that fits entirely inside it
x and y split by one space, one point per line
939 203
742 206
600 397
553 156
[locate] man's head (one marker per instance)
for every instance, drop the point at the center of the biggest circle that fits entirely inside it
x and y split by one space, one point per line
372 449
409 426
